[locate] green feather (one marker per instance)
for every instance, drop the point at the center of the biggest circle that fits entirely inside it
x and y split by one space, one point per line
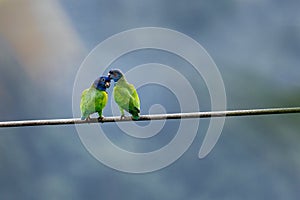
127 98
92 101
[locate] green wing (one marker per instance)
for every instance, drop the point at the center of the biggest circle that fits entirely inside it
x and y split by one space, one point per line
92 100
127 98
83 104
135 100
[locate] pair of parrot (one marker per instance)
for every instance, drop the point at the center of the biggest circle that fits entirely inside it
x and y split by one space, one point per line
94 99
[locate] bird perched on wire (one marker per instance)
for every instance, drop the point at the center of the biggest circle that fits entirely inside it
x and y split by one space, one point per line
125 95
94 98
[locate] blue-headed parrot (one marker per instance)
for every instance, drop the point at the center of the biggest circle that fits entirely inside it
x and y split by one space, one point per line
94 98
125 94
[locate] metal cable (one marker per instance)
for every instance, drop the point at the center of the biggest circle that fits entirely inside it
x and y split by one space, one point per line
229 113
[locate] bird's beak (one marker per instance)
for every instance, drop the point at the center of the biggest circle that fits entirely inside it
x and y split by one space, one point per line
109 75
107 84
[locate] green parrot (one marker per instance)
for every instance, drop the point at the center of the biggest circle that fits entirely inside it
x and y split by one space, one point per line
125 95
94 98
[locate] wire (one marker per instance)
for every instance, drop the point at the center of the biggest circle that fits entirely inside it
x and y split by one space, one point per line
229 113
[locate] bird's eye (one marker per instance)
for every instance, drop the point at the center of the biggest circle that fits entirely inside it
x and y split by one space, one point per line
102 80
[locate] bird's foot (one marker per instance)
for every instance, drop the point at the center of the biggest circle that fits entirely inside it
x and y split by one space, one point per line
88 119
100 119
122 117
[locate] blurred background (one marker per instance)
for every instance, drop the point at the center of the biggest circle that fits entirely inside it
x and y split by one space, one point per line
255 44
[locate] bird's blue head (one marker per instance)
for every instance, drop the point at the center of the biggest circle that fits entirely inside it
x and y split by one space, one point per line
102 83
115 74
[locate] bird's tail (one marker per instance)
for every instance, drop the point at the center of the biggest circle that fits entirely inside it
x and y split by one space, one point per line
135 117
135 112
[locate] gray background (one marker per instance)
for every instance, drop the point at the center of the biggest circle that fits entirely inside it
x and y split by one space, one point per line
255 44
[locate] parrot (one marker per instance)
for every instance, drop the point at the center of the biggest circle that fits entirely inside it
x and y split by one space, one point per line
94 98
125 94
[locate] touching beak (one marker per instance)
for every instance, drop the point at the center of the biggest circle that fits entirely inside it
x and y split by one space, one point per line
109 75
107 84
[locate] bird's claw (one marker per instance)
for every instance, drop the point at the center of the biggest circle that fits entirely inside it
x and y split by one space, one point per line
100 119
122 117
88 119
